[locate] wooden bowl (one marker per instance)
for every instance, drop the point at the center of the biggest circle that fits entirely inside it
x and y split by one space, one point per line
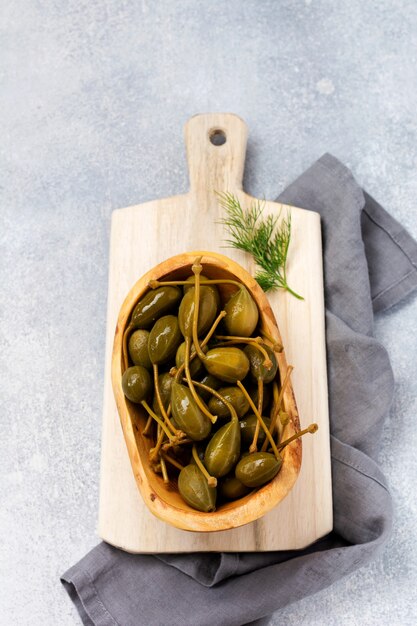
164 500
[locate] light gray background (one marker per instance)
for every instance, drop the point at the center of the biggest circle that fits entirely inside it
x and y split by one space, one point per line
94 97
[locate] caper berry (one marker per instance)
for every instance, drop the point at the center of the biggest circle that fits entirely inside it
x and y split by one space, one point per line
136 383
153 305
258 468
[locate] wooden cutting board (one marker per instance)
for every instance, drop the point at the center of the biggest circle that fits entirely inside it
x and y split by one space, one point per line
146 234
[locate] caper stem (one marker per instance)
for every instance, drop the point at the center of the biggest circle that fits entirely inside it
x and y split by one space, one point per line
278 403
125 351
164 469
211 480
170 444
212 418
212 330
254 445
145 431
259 417
276 346
215 393
275 413
310 429
173 462
153 453
158 420
154 284
253 341
159 400
197 268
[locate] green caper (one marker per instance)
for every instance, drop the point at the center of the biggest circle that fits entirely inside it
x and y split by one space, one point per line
209 381
154 304
228 364
257 367
136 383
231 488
236 398
164 339
258 468
207 311
213 288
194 488
164 383
247 429
187 414
223 449
138 348
196 366
242 314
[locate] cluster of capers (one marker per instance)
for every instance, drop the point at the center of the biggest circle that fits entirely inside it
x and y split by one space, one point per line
206 392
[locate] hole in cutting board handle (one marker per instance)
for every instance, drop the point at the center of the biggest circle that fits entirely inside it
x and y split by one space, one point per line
217 137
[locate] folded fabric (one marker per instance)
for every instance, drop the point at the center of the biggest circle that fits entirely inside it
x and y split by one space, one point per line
370 264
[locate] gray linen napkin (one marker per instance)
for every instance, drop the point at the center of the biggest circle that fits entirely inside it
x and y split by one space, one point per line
370 264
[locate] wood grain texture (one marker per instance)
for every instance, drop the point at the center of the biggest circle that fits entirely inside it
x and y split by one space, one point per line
143 236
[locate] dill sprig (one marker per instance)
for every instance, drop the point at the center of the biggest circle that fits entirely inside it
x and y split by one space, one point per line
262 237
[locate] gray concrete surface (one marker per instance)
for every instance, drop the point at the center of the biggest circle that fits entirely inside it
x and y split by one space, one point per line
93 98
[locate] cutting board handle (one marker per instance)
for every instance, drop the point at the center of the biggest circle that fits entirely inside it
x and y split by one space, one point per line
216 149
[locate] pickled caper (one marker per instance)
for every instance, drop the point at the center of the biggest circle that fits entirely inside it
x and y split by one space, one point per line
258 468
187 414
236 398
241 313
257 368
213 288
164 339
196 366
164 383
223 449
231 488
248 427
209 381
195 490
153 305
136 383
228 364
138 348
207 311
